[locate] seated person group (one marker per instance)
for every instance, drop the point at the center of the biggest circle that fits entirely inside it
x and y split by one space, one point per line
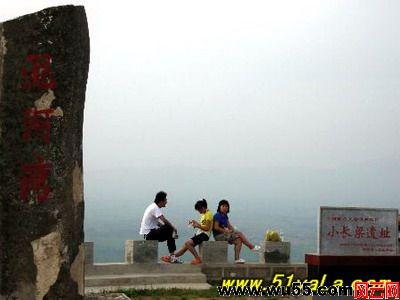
155 226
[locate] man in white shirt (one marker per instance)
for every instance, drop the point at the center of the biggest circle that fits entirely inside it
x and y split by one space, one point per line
155 226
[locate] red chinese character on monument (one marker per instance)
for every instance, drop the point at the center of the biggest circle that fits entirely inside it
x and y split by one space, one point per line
345 232
38 73
371 233
34 180
359 232
384 233
37 121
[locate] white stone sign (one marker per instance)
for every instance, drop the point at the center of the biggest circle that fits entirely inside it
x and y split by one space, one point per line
357 231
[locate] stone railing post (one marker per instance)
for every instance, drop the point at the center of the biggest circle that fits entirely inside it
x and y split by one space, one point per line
89 253
141 251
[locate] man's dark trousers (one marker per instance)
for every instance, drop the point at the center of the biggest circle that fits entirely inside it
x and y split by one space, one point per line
162 234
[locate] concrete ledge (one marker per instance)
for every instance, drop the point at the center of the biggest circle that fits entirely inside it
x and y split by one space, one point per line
214 252
217 271
101 296
144 279
214 271
184 286
140 268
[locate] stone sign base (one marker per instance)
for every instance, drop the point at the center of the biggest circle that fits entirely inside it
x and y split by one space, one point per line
350 268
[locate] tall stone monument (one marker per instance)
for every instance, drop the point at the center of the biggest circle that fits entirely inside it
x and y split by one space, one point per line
44 61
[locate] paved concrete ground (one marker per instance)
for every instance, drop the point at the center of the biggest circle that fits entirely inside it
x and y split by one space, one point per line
194 286
114 296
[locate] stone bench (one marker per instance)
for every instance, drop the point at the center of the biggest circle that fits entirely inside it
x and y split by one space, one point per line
141 251
214 252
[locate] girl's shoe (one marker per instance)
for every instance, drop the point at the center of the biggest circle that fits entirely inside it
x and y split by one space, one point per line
256 248
196 261
240 261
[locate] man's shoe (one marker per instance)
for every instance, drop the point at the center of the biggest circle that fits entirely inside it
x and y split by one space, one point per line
166 259
174 260
240 261
196 261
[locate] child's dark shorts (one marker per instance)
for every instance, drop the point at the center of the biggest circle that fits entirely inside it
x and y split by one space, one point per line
199 238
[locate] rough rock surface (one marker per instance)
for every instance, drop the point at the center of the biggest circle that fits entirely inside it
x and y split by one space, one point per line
44 61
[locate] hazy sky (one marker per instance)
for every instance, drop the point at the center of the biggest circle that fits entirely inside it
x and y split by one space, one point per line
239 83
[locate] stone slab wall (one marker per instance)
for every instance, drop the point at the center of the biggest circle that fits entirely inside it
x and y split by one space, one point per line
44 60
216 272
